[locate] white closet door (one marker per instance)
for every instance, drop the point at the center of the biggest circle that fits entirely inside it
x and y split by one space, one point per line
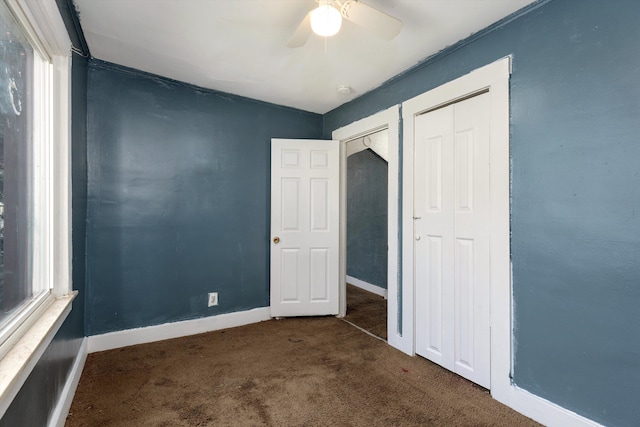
434 228
452 199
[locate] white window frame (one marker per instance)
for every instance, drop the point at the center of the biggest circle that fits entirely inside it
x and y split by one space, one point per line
30 331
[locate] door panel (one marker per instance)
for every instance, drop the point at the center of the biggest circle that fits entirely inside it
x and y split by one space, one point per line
319 267
433 313
472 219
319 204
452 237
290 204
289 266
464 304
434 226
304 227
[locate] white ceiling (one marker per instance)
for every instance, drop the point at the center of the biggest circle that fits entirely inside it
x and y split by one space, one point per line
239 46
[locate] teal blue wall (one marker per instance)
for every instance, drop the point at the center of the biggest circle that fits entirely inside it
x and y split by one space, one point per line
177 201
575 208
367 218
178 198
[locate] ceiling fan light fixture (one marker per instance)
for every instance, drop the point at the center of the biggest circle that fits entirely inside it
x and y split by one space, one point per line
326 20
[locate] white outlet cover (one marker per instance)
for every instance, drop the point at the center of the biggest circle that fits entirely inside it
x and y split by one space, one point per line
213 299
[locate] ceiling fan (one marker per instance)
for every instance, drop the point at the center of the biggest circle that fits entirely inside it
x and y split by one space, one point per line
326 19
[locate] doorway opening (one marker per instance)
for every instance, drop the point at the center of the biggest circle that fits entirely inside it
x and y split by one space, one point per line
367 225
387 121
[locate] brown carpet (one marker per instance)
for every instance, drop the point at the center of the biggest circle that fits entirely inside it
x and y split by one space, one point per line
291 372
367 310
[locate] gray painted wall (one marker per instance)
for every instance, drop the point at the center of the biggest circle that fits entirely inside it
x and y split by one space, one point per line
575 109
178 198
367 218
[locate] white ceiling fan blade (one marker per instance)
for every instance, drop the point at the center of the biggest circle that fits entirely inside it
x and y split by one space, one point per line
374 20
302 33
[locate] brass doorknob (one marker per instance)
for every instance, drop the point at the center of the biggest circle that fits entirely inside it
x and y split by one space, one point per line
276 240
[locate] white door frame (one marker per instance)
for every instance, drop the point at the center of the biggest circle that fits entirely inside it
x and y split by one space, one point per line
387 119
494 78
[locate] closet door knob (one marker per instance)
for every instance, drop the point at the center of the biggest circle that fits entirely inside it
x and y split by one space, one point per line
418 237
276 240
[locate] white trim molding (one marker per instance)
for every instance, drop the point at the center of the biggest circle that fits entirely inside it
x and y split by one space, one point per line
183 328
61 171
494 79
43 21
386 119
374 289
17 364
543 411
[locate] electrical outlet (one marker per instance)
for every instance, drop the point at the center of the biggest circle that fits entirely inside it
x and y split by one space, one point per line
213 299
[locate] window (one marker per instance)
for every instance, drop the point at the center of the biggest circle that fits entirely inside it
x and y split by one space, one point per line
24 76
35 252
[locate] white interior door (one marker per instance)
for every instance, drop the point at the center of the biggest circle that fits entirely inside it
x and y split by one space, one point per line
451 231
304 227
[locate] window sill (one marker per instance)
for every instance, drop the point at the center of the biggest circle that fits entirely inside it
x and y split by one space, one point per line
18 363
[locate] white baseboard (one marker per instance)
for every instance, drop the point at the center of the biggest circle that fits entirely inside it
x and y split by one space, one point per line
60 412
367 286
541 410
167 331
